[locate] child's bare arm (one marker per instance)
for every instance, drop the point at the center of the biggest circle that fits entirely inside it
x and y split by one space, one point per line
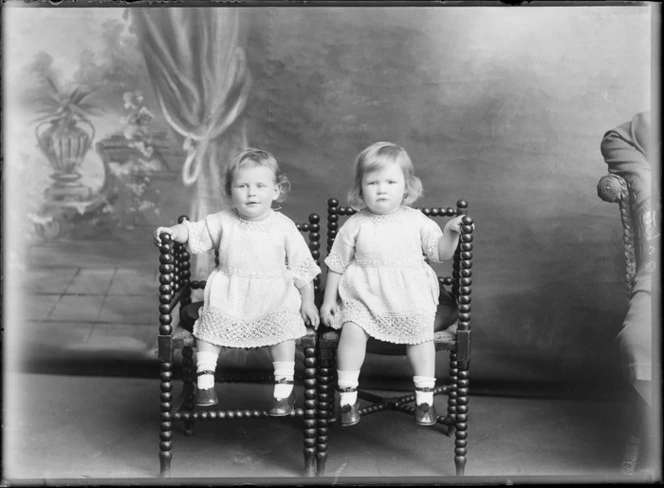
179 233
330 297
309 310
448 243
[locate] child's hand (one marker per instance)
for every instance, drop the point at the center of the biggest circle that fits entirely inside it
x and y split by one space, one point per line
161 230
310 315
454 225
327 313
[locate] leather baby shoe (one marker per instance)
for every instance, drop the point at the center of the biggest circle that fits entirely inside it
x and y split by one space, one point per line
425 414
206 397
282 406
349 414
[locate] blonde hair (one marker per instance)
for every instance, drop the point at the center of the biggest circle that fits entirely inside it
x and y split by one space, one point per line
376 156
256 157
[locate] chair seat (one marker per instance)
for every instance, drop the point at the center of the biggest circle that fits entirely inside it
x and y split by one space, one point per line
443 340
183 337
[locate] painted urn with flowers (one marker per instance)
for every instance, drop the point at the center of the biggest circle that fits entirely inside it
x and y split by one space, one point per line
64 133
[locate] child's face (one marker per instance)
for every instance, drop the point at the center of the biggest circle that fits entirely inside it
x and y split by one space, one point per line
253 190
383 189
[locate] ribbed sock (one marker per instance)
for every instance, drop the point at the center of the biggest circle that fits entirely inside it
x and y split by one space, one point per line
424 382
283 370
348 379
206 361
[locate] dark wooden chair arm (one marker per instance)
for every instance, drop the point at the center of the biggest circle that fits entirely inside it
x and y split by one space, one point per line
614 189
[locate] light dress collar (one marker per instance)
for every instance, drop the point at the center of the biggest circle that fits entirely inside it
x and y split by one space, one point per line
378 218
255 225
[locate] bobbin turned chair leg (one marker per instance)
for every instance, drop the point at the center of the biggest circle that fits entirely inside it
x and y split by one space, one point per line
461 420
188 379
310 411
166 424
165 464
452 395
325 410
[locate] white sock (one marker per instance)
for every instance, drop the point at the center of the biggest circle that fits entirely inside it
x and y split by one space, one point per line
348 379
206 361
283 370
424 382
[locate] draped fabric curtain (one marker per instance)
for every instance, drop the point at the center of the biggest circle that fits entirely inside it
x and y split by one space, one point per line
200 77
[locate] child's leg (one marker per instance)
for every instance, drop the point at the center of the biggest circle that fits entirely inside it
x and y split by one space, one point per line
350 357
422 358
206 363
283 360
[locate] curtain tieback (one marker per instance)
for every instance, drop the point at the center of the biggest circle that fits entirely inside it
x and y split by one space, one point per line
195 150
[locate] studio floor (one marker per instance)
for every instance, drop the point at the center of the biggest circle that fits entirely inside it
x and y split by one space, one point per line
76 429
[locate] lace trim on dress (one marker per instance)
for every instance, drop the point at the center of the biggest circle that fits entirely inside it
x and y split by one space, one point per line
253 225
216 327
431 247
336 263
242 272
404 263
411 327
305 271
194 242
377 218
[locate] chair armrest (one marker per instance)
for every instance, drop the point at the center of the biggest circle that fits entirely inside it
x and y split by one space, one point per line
612 188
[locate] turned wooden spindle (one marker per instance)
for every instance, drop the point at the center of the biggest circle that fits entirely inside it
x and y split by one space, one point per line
325 410
310 421
166 290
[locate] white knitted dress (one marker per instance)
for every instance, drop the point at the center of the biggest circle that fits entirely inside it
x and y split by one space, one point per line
251 299
386 287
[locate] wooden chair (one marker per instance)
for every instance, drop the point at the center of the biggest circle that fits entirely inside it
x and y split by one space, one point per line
455 339
613 188
175 286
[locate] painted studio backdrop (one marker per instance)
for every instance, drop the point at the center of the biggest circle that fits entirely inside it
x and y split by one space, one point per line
502 107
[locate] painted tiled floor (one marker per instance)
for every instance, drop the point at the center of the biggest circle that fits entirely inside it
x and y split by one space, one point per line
83 299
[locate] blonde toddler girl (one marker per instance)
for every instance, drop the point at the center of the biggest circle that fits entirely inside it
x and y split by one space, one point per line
378 283
261 293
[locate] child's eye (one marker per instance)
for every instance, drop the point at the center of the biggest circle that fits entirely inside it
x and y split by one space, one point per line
261 185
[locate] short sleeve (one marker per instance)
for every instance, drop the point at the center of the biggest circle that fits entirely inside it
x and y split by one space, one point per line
430 234
204 235
343 249
299 259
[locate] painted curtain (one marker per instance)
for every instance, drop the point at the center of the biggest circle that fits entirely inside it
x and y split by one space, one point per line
200 77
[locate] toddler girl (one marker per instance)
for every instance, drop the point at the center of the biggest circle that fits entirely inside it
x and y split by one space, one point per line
261 293
377 269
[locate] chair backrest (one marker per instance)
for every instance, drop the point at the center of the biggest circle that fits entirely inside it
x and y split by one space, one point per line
461 279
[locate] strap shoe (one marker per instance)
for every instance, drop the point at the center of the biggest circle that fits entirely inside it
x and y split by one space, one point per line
425 414
349 414
205 397
282 406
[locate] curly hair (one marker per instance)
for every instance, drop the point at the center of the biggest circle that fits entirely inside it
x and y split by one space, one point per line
256 157
376 156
